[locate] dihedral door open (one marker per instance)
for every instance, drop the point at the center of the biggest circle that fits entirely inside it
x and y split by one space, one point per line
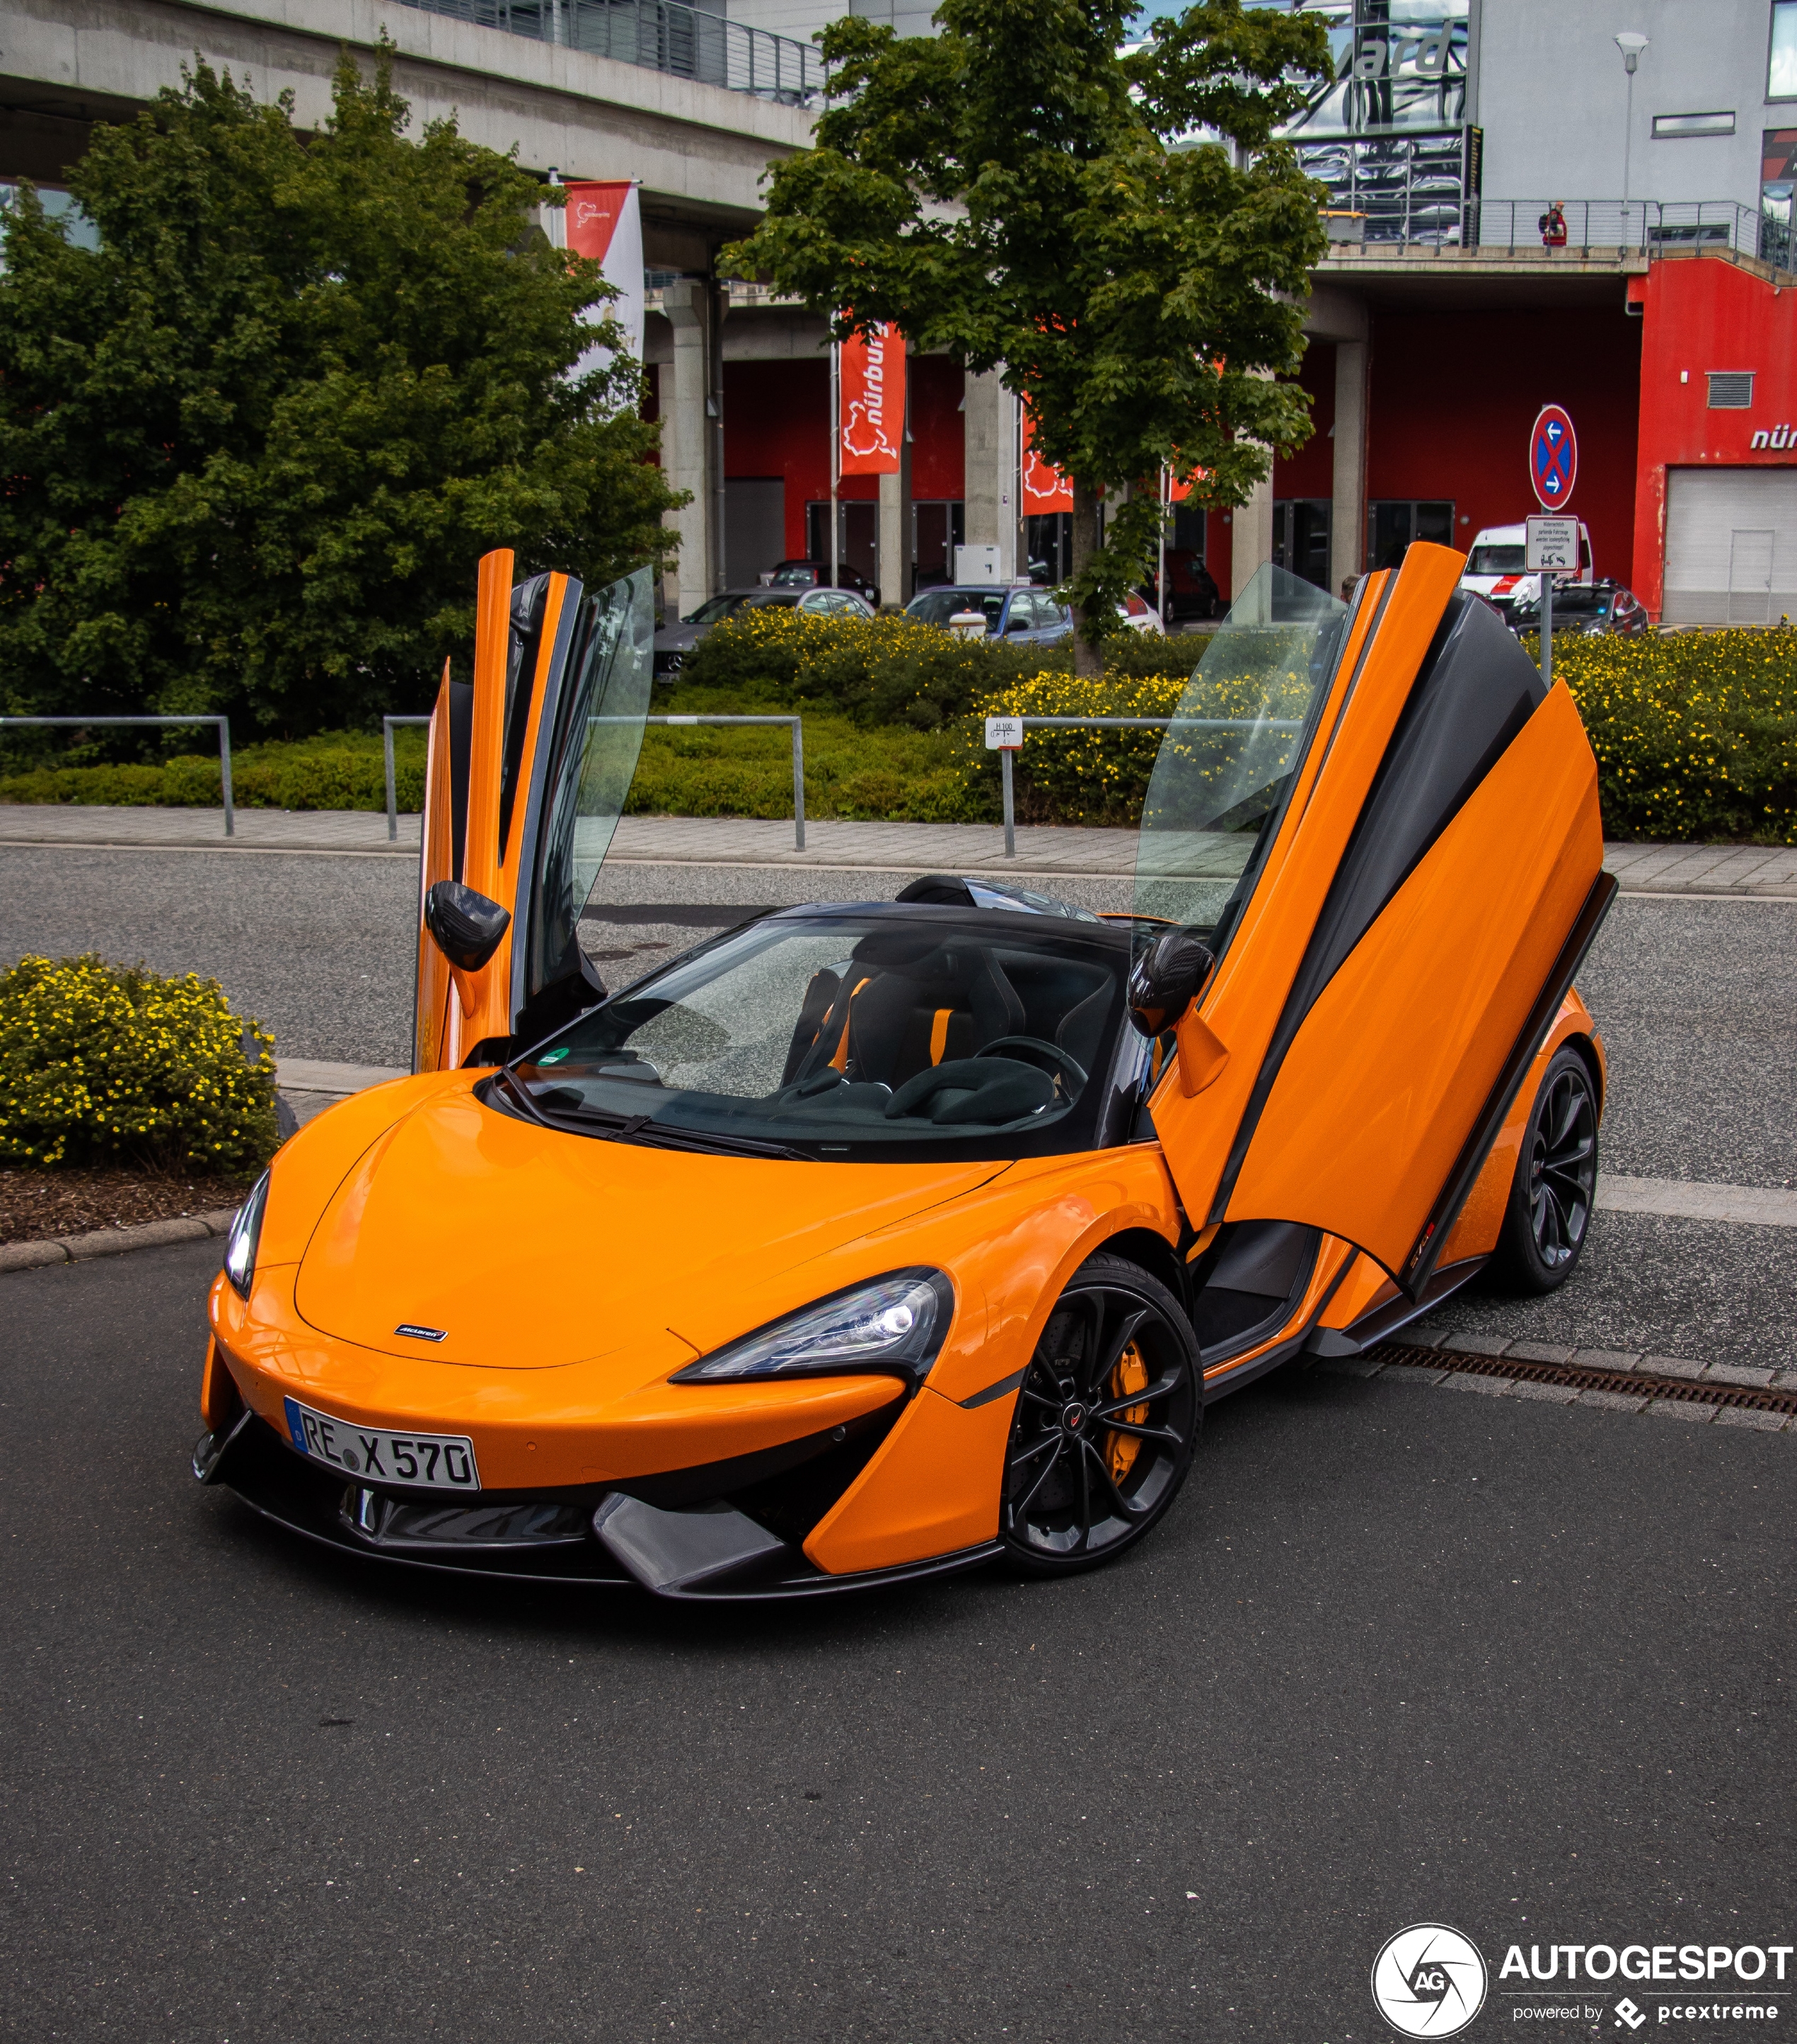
1388 831
528 766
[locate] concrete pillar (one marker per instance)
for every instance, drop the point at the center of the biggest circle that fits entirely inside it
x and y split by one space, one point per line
895 540
685 385
989 441
1251 537
1347 517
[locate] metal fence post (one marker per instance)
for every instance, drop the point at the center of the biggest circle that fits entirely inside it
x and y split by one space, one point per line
1007 754
798 785
393 797
225 775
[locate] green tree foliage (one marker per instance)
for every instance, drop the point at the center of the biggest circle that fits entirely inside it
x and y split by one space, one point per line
253 446
1014 191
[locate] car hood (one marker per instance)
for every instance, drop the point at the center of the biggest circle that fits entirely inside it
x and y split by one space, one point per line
530 1249
679 637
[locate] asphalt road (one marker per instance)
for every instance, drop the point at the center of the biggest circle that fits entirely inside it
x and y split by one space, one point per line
1398 1655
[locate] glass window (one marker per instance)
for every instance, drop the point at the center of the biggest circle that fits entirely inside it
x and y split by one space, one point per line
1225 764
766 599
1490 560
880 1031
937 606
1781 68
713 610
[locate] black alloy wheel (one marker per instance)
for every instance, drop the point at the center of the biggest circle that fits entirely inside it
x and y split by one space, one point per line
1549 1216
1106 1422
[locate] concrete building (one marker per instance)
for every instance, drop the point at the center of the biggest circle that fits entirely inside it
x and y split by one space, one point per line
1518 219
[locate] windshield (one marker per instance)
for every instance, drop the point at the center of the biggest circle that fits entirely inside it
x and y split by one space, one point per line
796 574
873 1032
1496 561
1570 599
940 604
1226 761
714 610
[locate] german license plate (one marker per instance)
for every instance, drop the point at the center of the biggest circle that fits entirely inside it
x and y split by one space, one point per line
432 1461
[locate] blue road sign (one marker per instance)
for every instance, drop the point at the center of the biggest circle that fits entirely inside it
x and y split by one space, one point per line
1553 458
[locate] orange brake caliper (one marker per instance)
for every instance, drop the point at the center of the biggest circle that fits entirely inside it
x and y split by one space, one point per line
1130 1374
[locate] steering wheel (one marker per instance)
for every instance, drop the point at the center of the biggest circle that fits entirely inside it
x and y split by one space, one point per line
1074 1070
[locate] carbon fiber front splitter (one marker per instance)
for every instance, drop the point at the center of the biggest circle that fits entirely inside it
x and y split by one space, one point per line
609 1540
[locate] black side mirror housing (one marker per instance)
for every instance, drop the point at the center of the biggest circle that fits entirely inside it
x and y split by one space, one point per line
464 925
1165 980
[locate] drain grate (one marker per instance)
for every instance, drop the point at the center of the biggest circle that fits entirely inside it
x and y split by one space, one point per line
1633 1383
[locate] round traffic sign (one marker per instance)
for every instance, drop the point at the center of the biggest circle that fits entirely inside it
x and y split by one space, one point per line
1553 458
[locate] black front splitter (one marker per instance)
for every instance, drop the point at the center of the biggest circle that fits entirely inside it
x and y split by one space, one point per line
281 1486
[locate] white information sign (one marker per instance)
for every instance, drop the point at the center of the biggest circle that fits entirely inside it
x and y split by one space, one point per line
1553 544
1004 733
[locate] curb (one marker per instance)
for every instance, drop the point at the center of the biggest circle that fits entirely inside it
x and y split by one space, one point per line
114 1241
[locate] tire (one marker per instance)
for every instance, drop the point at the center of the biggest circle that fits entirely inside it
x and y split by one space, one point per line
1078 1491
1549 1214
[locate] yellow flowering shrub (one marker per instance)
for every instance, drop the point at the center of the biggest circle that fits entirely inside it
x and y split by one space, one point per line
1696 733
1073 777
106 1064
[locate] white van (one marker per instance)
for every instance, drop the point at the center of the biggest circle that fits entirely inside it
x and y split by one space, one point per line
1495 570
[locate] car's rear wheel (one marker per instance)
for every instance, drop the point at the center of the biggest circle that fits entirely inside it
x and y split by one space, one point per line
1107 1419
1549 1216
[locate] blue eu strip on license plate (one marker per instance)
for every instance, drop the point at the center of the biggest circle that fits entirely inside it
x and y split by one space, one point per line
376 1454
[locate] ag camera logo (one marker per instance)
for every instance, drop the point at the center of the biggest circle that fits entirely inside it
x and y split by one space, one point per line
1429 1981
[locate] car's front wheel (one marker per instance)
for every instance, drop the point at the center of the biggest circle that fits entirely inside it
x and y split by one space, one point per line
1549 1216
1107 1418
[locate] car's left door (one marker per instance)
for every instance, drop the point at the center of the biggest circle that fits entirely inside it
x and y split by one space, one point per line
528 767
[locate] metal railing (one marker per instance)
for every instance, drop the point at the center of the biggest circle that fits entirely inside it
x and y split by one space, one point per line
796 724
222 723
1654 227
659 35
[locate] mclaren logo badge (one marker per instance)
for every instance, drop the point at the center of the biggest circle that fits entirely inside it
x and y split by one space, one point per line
421 1334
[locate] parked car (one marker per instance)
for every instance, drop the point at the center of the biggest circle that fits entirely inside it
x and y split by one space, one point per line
1016 613
869 1241
1588 608
675 642
1138 616
816 575
1495 570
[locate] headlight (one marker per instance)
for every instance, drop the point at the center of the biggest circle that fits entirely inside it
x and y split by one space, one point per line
246 1232
895 1324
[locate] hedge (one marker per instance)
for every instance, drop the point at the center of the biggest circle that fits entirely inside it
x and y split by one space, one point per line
347 772
1696 733
101 1063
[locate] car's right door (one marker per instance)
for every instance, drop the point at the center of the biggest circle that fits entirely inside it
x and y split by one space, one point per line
528 766
1388 831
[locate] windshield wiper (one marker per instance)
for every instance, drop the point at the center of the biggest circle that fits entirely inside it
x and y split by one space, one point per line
645 1128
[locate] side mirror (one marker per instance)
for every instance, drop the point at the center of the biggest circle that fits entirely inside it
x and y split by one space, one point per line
464 926
1164 980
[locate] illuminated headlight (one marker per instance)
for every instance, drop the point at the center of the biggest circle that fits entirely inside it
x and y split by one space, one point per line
246 1232
895 1324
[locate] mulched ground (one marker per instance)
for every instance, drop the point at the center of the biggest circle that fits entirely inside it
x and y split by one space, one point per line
35 1206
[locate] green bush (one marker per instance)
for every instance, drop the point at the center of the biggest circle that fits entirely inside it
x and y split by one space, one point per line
1696 733
101 1063
888 772
1071 777
341 771
888 670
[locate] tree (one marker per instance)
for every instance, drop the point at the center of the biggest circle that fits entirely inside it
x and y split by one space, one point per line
1014 191
251 448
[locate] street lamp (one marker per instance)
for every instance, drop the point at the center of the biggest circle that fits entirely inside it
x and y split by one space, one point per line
1631 43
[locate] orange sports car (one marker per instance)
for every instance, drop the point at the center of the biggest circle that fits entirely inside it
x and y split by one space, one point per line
875 1239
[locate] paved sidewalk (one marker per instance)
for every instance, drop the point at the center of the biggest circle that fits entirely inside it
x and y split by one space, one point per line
1767 872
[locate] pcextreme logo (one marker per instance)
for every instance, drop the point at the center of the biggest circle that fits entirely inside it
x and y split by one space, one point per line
1429 1981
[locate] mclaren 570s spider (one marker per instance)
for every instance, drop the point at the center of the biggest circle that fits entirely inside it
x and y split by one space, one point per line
870 1240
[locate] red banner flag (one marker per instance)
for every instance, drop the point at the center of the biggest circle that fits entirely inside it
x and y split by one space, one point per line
1046 488
872 403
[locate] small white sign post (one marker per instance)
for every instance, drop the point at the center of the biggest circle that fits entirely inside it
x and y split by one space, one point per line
1552 548
1004 735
